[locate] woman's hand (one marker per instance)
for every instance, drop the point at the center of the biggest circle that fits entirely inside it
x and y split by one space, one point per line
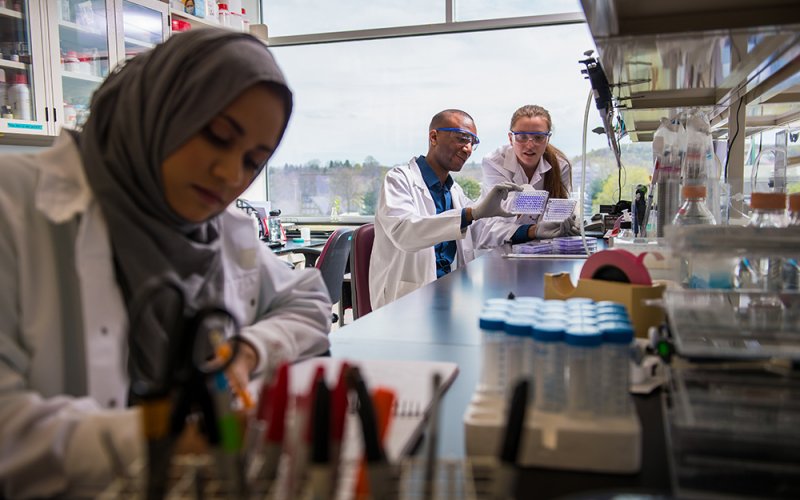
238 373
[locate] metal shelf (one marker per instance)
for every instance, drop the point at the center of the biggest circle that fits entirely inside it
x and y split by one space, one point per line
663 56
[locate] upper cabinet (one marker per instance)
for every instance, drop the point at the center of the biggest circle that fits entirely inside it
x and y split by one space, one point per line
140 25
61 50
24 109
712 54
82 53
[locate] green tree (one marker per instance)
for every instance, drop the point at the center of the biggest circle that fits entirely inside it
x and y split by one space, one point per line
369 202
610 192
471 187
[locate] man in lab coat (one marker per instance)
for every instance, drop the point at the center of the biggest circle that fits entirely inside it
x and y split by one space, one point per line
425 226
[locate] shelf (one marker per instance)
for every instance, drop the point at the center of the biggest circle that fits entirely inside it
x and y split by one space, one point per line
81 76
661 57
196 22
10 13
139 43
4 63
81 29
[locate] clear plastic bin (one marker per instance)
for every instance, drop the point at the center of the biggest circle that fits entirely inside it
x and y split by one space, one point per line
733 434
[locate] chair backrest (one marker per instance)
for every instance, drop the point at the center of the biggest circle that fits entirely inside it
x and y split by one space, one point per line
363 238
332 261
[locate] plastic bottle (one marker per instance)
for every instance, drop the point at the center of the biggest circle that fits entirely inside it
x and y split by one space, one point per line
548 367
493 380
95 63
518 328
71 62
765 310
694 210
274 223
224 15
583 355
615 368
791 268
66 10
19 97
668 173
791 273
245 22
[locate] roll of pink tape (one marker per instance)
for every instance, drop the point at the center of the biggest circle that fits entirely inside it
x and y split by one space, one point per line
616 265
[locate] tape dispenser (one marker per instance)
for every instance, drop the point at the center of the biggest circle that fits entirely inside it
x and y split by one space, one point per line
615 275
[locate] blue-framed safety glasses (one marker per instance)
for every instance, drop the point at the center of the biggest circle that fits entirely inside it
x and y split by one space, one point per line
525 137
462 136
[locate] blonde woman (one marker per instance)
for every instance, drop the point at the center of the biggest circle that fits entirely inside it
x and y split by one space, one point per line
529 158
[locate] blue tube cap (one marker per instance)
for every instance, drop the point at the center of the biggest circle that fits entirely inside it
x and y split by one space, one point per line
493 321
519 326
616 332
583 336
548 331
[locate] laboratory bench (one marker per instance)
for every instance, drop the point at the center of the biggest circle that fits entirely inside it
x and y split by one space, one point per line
439 322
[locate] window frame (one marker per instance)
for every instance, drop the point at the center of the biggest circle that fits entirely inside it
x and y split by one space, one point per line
450 26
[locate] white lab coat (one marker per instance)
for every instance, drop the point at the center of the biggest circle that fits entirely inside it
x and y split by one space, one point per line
56 271
501 165
407 227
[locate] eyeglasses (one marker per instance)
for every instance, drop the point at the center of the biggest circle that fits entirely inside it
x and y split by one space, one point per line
536 137
462 136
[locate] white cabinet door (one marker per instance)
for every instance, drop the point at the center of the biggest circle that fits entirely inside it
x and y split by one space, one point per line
82 52
25 110
140 25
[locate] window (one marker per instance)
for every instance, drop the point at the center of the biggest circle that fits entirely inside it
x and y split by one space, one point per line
362 107
290 17
471 10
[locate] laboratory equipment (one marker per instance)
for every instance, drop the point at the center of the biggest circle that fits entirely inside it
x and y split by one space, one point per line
765 311
548 366
733 322
274 226
493 366
615 367
732 433
565 428
558 209
583 353
693 210
602 98
528 201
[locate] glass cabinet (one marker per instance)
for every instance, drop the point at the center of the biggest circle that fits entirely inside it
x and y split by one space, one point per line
23 106
55 53
141 24
84 54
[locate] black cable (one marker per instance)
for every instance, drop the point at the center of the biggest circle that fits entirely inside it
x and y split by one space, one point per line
730 143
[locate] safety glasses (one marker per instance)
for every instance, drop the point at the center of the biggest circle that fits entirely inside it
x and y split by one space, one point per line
462 136
525 137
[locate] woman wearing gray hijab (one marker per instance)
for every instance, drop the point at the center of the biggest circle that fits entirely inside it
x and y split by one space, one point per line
141 194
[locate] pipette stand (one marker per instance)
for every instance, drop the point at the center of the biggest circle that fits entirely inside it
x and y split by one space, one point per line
557 440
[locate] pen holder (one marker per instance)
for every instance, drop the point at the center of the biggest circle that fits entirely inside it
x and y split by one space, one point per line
194 476
560 287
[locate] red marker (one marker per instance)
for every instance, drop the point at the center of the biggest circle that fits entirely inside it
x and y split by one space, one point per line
277 424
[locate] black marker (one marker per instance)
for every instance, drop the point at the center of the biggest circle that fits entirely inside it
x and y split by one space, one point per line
505 476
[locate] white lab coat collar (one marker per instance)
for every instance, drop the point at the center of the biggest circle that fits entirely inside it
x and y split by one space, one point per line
419 183
511 164
63 190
